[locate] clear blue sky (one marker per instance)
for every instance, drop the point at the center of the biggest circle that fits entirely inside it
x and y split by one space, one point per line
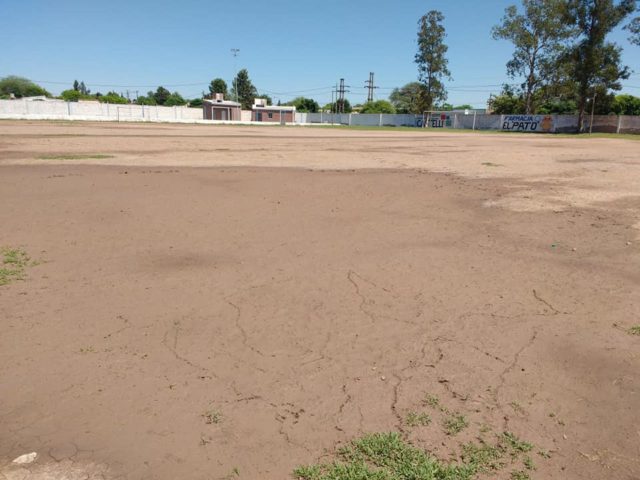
290 47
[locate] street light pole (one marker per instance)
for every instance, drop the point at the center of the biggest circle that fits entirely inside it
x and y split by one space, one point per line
235 52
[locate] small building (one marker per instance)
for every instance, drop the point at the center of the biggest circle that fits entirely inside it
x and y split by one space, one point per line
261 112
218 108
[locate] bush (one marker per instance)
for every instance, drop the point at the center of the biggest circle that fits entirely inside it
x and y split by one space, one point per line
112 97
379 106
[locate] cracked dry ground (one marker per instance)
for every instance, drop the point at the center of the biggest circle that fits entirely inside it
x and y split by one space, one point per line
307 308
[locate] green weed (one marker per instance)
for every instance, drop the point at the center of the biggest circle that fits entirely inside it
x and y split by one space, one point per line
454 423
414 419
212 417
482 458
431 401
13 265
528 463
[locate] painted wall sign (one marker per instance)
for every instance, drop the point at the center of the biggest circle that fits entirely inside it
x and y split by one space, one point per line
440 120
527 123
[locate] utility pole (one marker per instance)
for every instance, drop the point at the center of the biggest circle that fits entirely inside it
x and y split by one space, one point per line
371 86
593 110
235 52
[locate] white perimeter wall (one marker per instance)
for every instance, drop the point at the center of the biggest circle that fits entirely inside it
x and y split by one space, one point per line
61 110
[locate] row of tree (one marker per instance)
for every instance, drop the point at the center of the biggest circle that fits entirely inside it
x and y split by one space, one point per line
561 51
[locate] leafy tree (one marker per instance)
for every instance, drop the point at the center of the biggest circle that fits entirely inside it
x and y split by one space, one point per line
431 58
634 29
83 89
408 99
244 90
161 95
72 95
379 106
148 99
20 87
112 97
537 35
592 60
626 105
303 104
557 106
507 103
175 99
76 85
196 103
218 85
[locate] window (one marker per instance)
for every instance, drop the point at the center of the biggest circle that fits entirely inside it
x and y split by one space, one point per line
271 115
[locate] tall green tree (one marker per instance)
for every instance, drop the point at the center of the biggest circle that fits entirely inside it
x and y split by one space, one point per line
20 87
161 95
243 90
433 66
218 85
76 85
593 61
408 99
537 35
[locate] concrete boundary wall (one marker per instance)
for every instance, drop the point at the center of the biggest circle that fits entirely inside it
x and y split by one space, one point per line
95 111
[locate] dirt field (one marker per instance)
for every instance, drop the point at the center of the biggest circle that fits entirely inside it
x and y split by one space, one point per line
233 302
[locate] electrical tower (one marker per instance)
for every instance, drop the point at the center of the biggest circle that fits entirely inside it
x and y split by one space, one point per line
370 86
340 99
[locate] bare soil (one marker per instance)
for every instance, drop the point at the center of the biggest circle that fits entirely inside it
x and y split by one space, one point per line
310 285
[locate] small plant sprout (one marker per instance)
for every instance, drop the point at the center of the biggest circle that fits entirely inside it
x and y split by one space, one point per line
414 419
212 417
455 423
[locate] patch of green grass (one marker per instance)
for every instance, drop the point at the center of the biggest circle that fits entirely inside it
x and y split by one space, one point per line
454 423
13 265
79 156
520 475
491 164
212 417
635 330
415 419
483 458
384 456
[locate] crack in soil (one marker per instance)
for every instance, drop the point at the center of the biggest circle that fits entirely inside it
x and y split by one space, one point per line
542 300
507 370
245 337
